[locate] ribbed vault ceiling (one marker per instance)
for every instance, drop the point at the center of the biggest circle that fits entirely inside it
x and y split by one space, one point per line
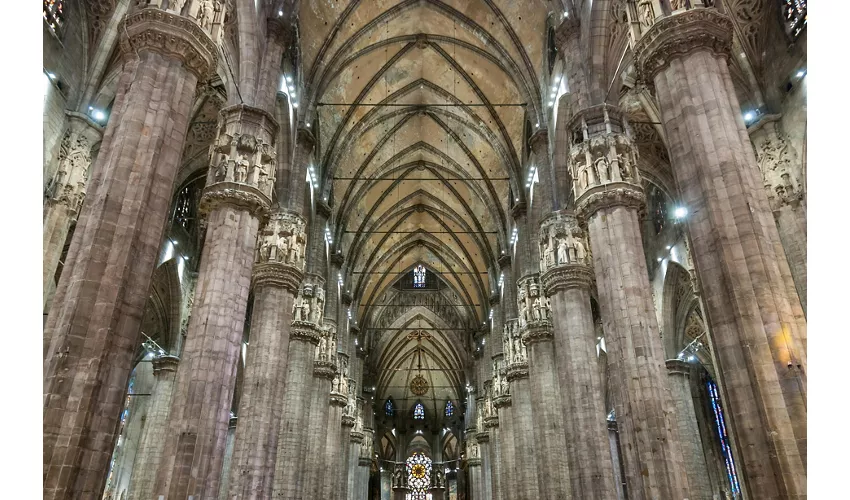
421 109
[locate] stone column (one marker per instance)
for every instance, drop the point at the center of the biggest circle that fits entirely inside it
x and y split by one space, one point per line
567 278
609 197
278 271
65 194
324 371
304 338
364 463
758 342
236 197
336 425
491 423
695 466
224 488
154 431
482 437
783 181
473 460
548 429
96 312
525 443
292 445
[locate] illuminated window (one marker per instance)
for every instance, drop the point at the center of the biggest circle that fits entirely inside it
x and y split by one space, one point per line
794 17
720 422
389 409
450 408
54 14
419 276
419 412
418 476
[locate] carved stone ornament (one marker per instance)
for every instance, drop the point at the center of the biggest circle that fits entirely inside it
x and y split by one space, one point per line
281 245
500 381
171 35
562 243
309 305
68 186
675 36
533 306
569 28
514 350
603 159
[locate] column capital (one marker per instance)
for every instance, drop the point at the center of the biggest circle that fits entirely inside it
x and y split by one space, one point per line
565 257
678 367
171 35
325 369
68 186
305 332
355 436
569 28
514 350
341 401
281 244
482 436
603 162
491 422
539 141
538 331
165 364
532 304
674 36
502 401
517 371
504 260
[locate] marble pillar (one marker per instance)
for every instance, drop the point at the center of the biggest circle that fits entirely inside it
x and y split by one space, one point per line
65 194
153 433
292 445
609 198
324 371
695 465
567 278
758 341
94 319
237 196
473 460
278 271
548 429
338 422
224 487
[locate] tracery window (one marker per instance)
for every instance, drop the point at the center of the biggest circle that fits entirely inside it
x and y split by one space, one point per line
419 412
54 14
389 409
419 276
450 409
794 16
720 422
418 476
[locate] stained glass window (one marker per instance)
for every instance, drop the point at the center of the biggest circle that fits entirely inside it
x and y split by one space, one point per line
794 16
54 14
418 412
450 408
419 276
720 421
418 476
389 409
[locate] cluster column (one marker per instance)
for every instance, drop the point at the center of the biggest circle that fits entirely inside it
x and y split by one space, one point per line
94 319
278 271
695 466
152 440
609 199
758 341
567 277
236 198
65 194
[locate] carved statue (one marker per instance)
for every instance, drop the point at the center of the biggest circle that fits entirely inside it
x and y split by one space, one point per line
537 310
581 252
646 13
242 170
205 13
602 169
176 6
563 258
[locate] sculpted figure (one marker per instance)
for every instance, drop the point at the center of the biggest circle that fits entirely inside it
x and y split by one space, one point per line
536 308
221 169
205 12
297 310
175 6
562 251
263 253
646 13
602 169
242 170
581 252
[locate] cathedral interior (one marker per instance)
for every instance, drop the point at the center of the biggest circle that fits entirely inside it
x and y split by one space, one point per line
424 249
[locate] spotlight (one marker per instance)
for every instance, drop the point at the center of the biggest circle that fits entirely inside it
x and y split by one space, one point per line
98 115
288 79
680 212
280 13
749 115
660 259
51 76
668 247
294 104
800 74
